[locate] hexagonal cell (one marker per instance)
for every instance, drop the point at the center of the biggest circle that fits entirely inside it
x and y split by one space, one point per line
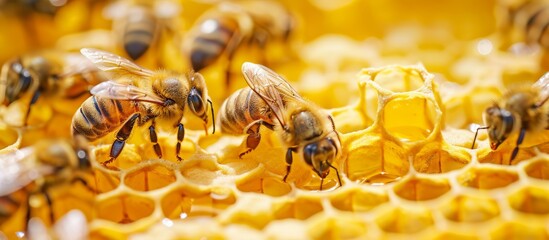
272 186
350 119
400 220
375 161
470 209
487 177
531 199
464 109
396 78
301 208
201 171
519 230
104 180
357 199
538 169
421 189
253 210
187 202
410 118
340 226
124 208
150 177
436 157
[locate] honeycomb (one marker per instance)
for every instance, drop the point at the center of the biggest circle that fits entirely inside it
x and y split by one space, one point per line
405 110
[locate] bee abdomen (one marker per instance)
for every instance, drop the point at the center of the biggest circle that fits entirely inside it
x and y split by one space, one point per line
212 40
139 33
533 18
97 117
239 110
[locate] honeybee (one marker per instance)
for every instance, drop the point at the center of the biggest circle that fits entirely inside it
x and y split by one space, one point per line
138 24
47 163
138 95
525 21
50 74
522 110
231 25
272 102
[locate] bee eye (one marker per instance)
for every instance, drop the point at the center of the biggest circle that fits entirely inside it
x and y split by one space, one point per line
308 153
195 102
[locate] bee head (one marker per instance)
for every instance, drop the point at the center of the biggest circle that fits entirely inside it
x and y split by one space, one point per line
500 124
320 155
198 97
15 80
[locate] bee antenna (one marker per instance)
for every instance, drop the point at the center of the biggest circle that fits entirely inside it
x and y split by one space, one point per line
337 173
213 116
476 133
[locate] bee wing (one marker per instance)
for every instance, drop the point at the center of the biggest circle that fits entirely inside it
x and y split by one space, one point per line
119 91
543 85
271 87
110 62
77 64
19 169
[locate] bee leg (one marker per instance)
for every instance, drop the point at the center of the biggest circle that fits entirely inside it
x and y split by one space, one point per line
337 173
253 139
289 160
180 136
154 139
50 205
519 141
34 99
121 137
84 183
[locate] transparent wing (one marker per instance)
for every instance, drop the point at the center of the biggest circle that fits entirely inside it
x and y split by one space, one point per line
19 168
543 86
110 62
77 64
118 91
271 87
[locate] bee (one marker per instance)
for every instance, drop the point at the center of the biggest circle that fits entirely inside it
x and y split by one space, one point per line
230 25
50 74
525 20
138 95
272 102
138 24
47 163
522 110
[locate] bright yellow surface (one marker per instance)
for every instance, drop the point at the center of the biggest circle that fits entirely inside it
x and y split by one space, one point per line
404 80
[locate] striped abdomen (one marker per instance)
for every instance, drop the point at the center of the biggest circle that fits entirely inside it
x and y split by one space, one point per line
533 18
242 108
99 116
212 37
138 31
